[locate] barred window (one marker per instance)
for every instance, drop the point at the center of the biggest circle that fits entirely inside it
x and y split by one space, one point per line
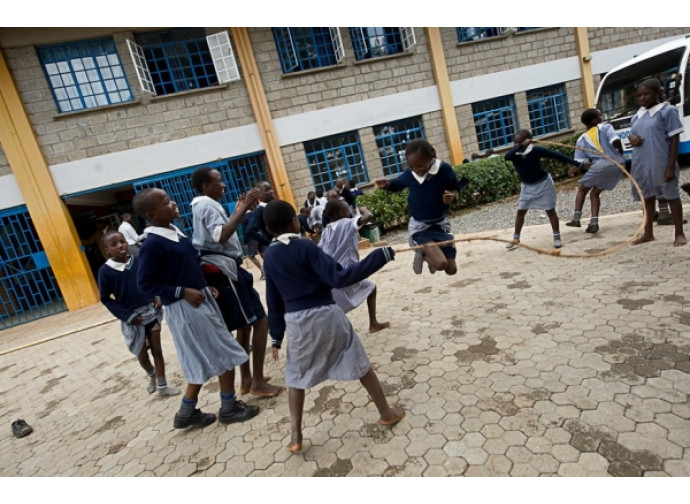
548 110
495 122
334 157
392 139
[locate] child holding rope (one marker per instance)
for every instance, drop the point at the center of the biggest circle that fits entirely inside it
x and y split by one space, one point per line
430 182
537 190
601 146
654 135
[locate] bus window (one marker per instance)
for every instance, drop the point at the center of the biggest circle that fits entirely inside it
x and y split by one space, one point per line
686 90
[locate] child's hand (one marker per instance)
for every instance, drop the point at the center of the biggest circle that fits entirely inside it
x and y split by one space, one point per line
275 352
381 183
157 303
635 140
251 197
574 170
670 174
193 297
448 197
137 320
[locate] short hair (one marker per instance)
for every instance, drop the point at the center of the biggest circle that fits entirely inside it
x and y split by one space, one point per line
319 193
278 215
653 84
420 145
332 208
110 233
524 133
141 203
200 177
589 115
125 214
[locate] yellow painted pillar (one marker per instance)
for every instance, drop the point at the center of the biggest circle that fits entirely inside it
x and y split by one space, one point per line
48 212
262 114
450 119
584 57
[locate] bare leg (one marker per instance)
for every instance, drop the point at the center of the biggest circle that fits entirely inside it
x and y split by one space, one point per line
435 257
677 213
256 262
553 218
226 381
595 201
374 325
648 235
259 385
243 334
191 393
580 197
157 352
389 416
296 402
519 221
144 360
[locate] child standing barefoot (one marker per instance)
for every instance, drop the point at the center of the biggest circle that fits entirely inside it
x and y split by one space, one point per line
654 136
321 342
205 348
140 314
340 240
536 189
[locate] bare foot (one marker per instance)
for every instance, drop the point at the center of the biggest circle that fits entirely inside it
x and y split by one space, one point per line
680 240
266 390
643 239
245 386
396 414
377 326
295 445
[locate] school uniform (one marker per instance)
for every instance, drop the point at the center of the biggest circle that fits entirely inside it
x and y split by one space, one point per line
603 173
537 190
649 161
169 264
119 280
321 344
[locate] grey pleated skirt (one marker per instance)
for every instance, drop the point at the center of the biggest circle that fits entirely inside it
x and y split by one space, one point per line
539 196
322 345
350 297
205 347
602 175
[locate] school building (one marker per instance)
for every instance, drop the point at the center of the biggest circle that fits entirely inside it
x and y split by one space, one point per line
89 116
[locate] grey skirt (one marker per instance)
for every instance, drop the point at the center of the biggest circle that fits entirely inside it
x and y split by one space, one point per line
539 196
135 335
205 347
322 345
602 175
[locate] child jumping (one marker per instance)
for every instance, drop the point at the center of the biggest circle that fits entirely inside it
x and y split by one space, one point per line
340 240
430 182
322 344
654 135
140 314
537 190
170 269
603 175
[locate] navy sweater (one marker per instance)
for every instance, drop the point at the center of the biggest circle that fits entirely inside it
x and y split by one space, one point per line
167 267
425 201
301 275
123 286
529 167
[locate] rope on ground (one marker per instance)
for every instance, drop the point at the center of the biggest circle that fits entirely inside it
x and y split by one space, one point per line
555 251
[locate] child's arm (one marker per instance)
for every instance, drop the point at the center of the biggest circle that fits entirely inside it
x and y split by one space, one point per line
106 291
542 153
395 185
276 316
244 204
672 158
365 216
335 276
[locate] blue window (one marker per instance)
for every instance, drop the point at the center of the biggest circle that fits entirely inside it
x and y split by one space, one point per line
495 121
85 74
391 140
467 34
239 174
334 157
548 110
371 43
307 48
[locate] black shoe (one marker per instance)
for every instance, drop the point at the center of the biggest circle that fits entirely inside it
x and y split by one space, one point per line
21 429
573 223
239 413
686 187
197 419
592 228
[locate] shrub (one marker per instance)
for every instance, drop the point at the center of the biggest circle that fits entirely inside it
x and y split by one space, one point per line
558 170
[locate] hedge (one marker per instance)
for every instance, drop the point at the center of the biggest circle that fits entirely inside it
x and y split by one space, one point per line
491 179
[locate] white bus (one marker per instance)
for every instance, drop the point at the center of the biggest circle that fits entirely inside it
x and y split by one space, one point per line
616 96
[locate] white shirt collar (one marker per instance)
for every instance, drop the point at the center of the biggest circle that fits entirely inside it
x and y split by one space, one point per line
652 111
198 199
432 171
172 234
527 150
119 266
286 238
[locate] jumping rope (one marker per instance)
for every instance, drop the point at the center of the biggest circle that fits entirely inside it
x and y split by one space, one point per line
554 251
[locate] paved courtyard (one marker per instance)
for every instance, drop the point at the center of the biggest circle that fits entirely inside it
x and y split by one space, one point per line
520 365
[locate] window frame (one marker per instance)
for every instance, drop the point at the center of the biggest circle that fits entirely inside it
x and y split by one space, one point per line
558 99
506 137
361 42
288 51
317 160
394 140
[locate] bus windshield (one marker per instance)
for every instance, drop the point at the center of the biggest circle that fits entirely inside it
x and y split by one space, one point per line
617 97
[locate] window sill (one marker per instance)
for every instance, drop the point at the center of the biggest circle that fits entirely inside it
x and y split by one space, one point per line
404 54
191 92
313 70
103 108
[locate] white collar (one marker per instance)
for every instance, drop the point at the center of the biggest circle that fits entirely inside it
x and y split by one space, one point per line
119 266
215 203
652 111
527 150
261 203
286 238
172 234
435 167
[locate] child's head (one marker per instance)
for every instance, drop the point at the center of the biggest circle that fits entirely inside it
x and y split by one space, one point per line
311 195
280 217
265 192
116 246
208 182
305 211
332 194
648 92
126 216
522 135
591 117
155 205
420 155
336 210
319 193
340 183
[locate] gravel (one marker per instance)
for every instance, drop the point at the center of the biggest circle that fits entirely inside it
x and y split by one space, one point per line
501 215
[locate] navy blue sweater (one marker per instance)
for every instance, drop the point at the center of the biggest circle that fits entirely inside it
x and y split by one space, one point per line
122 285
529 167
301 275
167 267
425 201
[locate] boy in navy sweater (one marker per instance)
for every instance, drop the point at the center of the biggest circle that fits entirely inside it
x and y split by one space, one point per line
322 344
431 183
140 314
